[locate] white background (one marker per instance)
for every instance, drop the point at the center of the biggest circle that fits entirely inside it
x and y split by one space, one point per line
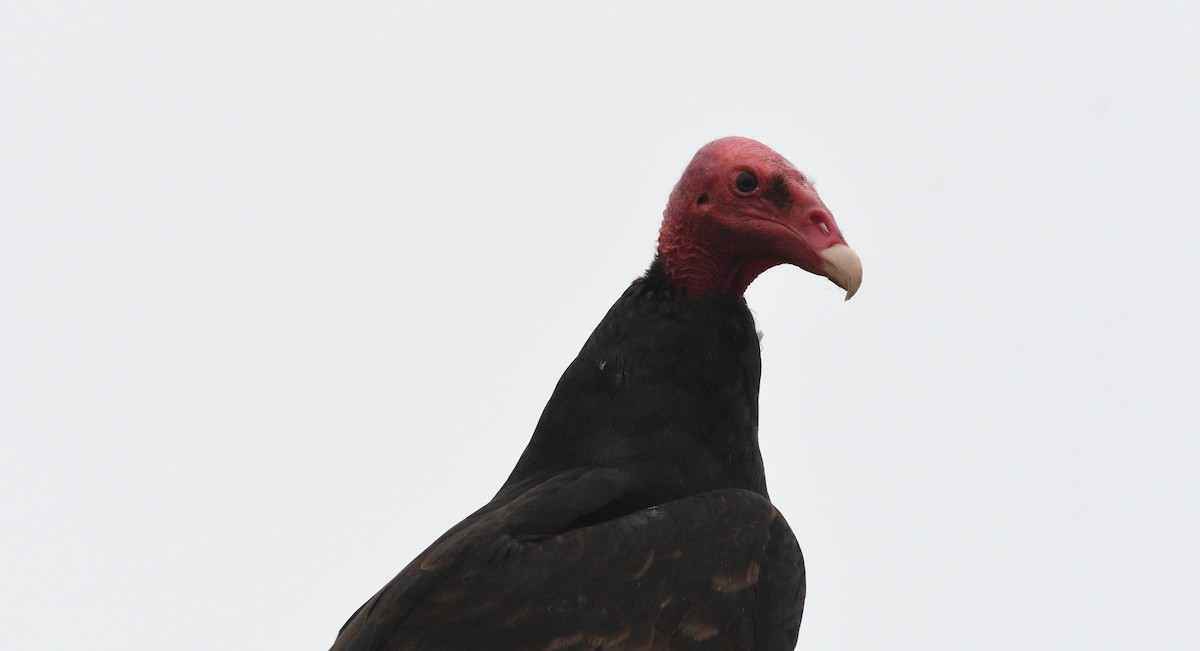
284 287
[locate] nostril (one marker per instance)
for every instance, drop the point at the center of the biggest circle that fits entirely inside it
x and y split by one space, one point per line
819 219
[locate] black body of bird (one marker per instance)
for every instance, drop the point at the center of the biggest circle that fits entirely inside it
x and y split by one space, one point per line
638 515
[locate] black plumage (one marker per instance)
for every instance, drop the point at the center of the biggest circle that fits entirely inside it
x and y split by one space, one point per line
638 515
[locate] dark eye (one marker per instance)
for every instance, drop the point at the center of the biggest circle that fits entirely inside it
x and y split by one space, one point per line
746 182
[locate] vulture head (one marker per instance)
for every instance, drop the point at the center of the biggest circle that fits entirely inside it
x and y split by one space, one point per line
740 209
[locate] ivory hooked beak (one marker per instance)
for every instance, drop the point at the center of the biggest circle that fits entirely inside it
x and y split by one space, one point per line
840 264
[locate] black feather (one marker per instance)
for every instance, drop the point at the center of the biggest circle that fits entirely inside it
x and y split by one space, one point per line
638 515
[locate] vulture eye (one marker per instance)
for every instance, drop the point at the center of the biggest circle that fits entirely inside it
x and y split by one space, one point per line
746 182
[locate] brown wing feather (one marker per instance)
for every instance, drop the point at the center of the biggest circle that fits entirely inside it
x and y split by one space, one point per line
720 570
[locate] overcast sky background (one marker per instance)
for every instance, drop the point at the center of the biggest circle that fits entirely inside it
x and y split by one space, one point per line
284 287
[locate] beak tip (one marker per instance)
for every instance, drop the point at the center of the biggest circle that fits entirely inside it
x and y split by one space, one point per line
855 283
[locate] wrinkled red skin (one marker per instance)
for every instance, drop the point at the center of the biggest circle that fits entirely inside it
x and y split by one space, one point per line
716 239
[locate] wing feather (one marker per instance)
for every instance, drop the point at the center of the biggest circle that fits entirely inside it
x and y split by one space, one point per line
718 570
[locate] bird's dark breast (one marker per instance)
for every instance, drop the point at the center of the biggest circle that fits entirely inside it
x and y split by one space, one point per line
666 385
636 518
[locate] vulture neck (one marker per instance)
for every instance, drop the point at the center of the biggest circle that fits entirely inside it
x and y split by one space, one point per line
667 388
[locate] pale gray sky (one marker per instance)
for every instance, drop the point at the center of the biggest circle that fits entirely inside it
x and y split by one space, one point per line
284 287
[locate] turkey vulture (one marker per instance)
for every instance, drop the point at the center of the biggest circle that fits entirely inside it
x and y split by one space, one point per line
638 515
